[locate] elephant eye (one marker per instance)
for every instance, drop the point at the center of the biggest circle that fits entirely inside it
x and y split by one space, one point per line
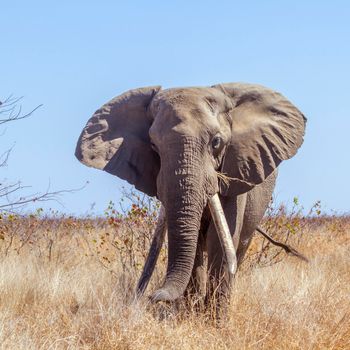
154 147
216 142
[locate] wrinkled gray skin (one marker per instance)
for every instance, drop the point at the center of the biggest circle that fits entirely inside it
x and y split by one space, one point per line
171 144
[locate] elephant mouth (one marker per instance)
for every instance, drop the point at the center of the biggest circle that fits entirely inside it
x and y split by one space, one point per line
222 230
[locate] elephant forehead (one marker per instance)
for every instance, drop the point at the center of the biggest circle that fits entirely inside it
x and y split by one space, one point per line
191 122
191 98
195 112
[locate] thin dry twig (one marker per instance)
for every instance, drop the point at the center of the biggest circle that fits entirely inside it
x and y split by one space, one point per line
12 111
224 178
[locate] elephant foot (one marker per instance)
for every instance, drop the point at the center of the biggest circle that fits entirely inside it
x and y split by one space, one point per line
165 311
161 295
166 294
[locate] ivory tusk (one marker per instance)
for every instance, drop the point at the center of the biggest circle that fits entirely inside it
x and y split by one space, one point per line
224 234
152 257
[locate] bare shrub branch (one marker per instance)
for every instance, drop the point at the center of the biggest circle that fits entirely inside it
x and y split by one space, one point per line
12 197
11 110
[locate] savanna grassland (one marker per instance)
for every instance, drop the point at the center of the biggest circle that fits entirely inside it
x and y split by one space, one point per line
68 283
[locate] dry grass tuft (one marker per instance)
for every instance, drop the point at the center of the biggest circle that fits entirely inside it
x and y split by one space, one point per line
68 284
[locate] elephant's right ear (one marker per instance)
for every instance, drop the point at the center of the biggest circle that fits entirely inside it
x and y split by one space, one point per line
116 140
266 129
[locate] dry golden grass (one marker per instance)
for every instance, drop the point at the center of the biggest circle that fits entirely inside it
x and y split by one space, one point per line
70 286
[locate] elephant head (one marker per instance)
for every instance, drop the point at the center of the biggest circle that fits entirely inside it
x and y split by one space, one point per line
175 143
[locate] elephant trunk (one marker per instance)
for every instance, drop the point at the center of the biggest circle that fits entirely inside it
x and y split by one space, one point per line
184 203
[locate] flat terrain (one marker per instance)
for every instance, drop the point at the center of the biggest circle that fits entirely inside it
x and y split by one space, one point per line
67 283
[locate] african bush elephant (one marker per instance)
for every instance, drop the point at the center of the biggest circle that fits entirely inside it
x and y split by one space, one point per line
200 150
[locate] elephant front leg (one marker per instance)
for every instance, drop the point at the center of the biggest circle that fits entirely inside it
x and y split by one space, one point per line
197 285
218 280
152 257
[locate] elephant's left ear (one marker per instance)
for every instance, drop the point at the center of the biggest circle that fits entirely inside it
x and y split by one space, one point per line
266 129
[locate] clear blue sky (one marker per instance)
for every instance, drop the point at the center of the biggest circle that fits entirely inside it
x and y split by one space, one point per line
72 56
